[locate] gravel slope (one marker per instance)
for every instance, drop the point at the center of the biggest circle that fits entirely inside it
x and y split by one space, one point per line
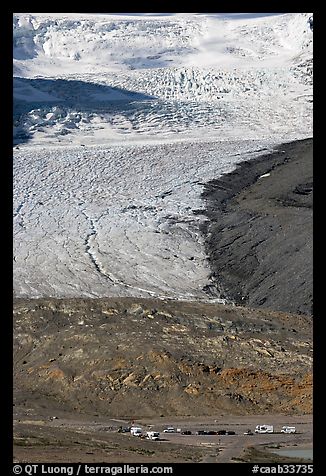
259 235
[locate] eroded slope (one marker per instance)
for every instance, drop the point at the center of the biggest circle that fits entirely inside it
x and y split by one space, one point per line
132 357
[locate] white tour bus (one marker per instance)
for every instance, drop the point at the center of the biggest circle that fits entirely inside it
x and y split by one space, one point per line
264 429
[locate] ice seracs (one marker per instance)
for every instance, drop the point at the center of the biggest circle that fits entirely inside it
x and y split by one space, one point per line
120 120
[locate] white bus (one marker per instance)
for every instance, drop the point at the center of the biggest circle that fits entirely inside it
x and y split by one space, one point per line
264 429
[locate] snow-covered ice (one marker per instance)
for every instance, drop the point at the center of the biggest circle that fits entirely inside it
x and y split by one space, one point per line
119 120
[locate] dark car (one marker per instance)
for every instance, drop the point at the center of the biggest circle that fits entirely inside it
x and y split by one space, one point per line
124 430
211 432
248 432
200 432
221 432
230 432
186 432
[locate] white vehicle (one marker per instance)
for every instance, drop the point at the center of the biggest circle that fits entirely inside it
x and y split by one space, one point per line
170 429
288 429
264 429
153 435
136 431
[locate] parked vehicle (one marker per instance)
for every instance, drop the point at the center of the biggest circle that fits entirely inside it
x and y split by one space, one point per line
170 429
264 429
248 432
230 432
288 429
186 432
124 430
221 432
211 432
136 431
201 432
153 435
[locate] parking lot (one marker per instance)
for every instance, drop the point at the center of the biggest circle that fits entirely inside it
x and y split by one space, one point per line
226 446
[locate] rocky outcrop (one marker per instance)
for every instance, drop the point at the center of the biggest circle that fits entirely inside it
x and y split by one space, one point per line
127 357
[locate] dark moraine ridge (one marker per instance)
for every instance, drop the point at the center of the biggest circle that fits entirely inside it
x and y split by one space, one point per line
259 237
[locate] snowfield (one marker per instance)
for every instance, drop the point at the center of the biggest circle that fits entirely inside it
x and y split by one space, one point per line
120 120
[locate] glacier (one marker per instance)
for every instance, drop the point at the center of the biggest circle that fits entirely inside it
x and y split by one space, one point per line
119 120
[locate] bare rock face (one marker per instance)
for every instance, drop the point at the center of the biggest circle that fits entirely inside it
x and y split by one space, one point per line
126 357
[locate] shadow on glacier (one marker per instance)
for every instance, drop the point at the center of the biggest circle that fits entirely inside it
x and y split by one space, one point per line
37 98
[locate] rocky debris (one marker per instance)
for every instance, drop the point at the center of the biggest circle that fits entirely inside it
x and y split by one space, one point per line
259 233
107 355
